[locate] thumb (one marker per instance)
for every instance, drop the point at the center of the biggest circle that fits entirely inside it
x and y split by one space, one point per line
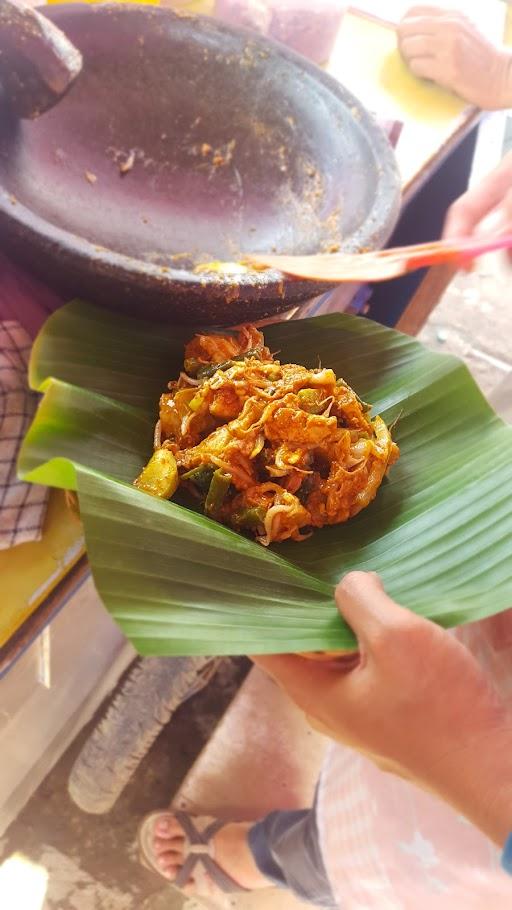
364 604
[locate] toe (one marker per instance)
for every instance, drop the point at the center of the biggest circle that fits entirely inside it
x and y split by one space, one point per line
171 873
169 865
164 825
164 844
168 826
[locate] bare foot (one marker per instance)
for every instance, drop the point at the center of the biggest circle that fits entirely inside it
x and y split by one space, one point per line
232 852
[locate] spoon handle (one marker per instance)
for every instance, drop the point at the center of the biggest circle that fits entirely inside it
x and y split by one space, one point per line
384 264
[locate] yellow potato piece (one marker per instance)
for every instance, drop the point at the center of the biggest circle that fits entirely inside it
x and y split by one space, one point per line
160 476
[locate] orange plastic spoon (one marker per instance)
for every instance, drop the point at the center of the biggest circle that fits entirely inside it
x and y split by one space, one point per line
383 265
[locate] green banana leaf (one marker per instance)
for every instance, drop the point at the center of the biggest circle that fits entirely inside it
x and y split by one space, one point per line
439 532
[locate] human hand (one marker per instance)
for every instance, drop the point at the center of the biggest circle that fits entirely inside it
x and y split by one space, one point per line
491 199
445 46
416 703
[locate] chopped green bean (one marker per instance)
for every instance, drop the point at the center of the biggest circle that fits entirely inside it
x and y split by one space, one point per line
200 476
207 371
217 493
249 518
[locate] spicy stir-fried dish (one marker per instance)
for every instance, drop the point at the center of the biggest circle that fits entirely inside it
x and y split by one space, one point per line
272 449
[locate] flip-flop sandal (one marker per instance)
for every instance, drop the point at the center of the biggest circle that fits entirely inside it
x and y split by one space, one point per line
198 852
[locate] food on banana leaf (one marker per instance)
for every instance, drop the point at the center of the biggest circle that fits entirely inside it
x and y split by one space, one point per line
272 449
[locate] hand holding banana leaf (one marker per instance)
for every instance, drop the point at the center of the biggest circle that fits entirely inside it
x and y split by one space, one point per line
416 702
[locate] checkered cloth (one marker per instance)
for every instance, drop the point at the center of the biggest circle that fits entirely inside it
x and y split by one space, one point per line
22 505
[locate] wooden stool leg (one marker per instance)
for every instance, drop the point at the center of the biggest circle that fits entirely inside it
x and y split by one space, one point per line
426 298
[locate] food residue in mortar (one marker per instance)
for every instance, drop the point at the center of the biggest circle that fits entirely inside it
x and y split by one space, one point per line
126 165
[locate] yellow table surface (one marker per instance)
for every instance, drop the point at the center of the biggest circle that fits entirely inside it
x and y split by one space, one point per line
30 571
367 61
508 26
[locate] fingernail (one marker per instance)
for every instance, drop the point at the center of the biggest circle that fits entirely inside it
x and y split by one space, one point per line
162 826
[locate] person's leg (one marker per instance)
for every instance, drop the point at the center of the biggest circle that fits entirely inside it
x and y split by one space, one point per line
281 849
286 849
230 846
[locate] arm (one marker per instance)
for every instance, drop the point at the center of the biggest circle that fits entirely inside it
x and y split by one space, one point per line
491 199
416 703
445 46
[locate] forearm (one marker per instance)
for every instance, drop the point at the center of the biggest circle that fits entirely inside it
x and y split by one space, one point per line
478 782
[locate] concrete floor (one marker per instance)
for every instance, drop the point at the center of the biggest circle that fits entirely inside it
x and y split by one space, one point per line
474 321
90 861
